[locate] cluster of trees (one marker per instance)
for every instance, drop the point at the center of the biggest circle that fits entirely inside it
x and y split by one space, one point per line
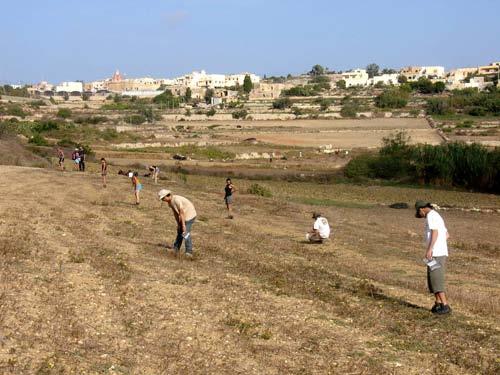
425 86
167 99
470 166
467 101
317 85
392 98
10 91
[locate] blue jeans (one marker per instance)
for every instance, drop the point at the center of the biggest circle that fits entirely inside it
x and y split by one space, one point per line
189 241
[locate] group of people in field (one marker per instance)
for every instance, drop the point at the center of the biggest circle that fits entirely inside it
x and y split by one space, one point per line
435 233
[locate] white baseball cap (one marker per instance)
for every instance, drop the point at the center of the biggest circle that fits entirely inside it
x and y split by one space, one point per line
163 193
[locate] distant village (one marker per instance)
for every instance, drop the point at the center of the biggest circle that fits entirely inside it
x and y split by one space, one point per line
225 87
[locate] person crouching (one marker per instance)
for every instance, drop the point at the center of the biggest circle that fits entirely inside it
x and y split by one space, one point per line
320 231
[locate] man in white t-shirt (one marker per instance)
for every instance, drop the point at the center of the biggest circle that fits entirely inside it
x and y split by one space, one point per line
321 229
436 236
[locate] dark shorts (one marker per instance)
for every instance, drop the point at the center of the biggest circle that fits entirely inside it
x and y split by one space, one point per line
61 160
228 199
436 278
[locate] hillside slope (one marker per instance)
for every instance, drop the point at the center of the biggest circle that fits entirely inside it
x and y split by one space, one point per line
86 285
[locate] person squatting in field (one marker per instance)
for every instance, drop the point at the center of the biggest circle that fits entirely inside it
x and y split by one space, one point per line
320 230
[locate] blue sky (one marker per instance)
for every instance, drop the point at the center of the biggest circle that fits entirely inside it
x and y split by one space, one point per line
60 40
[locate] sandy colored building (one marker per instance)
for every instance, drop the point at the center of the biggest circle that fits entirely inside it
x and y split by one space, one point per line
413 73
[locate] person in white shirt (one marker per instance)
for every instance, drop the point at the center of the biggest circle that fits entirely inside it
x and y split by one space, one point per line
320 230
436 236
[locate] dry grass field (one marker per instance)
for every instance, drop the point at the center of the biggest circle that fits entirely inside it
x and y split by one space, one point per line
87 287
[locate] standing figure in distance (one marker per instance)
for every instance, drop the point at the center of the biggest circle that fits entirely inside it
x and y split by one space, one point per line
104 171
229 190
436 236
137 187
60 155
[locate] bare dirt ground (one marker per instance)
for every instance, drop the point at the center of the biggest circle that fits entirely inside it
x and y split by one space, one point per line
86 286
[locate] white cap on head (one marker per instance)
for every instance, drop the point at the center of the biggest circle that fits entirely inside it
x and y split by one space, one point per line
163 193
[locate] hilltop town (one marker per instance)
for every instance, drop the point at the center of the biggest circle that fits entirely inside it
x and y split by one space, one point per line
226 86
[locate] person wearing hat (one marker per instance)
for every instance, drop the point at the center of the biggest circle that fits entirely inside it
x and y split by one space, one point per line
436 236
185 215
320 230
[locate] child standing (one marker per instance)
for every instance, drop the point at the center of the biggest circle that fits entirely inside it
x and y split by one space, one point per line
137 186
104 171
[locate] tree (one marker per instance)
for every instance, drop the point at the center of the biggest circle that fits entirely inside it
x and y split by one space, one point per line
393 98
209 94
317 70
402 79
64 113
188 95
439 87
388 71
341 84
247 84
372 70
282 103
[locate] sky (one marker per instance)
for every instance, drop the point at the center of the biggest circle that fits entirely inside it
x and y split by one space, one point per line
65 40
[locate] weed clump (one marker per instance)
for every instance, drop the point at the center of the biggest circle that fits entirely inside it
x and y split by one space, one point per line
260 190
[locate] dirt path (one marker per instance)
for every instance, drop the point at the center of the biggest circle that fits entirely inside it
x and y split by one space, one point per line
87 287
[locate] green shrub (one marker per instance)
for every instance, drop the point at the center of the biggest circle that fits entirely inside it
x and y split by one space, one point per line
64 113
438 106
15 110
211 112
260 190
93 120
393 98
38 140
282 103
44 126
349 110
135 119
240 114
360 166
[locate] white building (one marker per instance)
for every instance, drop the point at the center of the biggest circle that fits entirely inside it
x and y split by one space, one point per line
70 87
357 77
432 71
204 80
385 79
238 79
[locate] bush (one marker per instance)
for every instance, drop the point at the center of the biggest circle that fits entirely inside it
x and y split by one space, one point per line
15 110
282 103
438 106
64 113
94 120
241 114
360 167
349 110
135 119
260 190
341 84
470 166
38 140
211 112
44 126
393 98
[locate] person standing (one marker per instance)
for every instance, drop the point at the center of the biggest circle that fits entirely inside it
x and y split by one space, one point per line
229 190
81 165
185 215
436 236
154 170
75 156
60 155
320 230
137 187
104 171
